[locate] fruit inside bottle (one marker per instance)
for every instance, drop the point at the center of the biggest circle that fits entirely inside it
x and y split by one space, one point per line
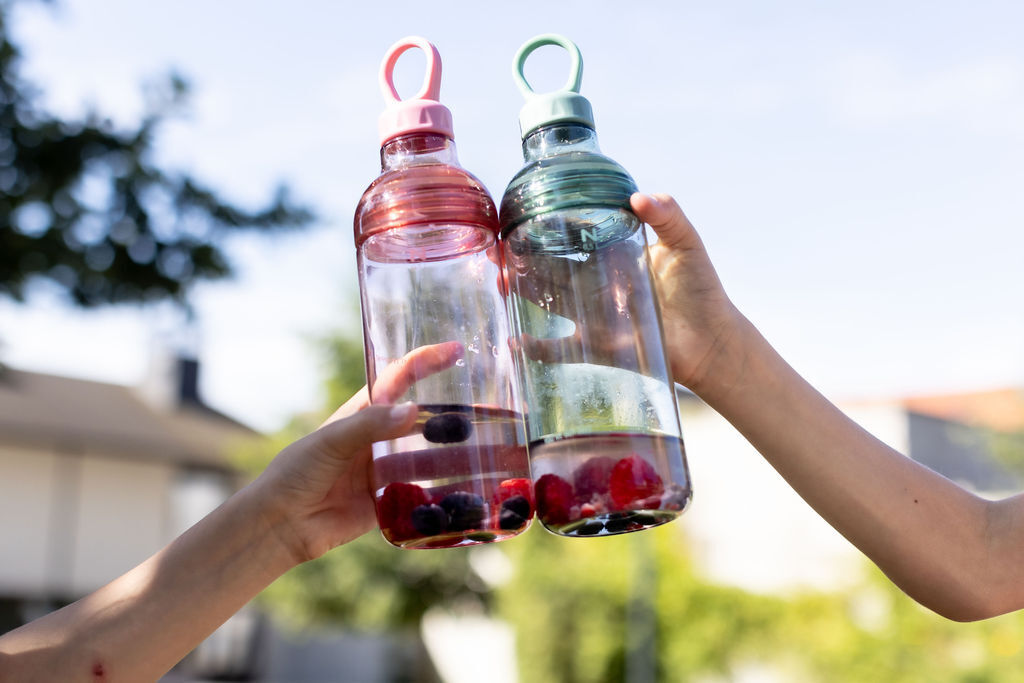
460 478
603 484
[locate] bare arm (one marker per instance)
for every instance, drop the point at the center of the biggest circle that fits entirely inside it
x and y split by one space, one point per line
958 554
139 625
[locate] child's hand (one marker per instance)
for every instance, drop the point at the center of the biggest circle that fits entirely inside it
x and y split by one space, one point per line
698 316
316 493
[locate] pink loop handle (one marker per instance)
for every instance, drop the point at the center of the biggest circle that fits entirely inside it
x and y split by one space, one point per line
431 89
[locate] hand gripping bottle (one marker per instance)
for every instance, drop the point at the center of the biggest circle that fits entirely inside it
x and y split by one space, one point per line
436 333
606 448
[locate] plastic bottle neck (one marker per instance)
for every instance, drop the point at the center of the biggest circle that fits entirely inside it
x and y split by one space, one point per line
559 139
417 148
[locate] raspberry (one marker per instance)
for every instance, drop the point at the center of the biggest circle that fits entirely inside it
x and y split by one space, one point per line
649 503
554 499
591 478
394 510
633 478
676 497
511 488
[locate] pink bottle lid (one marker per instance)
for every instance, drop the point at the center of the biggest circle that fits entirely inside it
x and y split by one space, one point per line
421 113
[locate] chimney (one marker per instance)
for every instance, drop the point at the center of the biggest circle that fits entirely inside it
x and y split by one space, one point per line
172 381
188 380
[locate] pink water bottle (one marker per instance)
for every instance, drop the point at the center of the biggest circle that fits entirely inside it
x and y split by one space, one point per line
437 333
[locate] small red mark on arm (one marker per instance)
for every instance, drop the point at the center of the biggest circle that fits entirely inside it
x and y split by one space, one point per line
98 672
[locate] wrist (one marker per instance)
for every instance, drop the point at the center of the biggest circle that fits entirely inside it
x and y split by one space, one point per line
724 367
281 548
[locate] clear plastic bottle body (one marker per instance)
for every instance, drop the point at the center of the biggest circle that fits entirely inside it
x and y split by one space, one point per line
606 447
430 277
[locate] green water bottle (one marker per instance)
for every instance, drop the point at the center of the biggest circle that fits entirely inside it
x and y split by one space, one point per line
605 443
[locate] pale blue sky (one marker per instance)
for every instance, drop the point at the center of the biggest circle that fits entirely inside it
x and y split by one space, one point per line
856 171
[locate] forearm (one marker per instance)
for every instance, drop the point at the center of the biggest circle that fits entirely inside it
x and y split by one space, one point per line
931 537
138 626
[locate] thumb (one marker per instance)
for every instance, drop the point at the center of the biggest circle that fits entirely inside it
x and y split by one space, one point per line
662 213
373 423
421 362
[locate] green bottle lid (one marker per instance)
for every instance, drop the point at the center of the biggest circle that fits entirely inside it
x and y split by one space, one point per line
562 105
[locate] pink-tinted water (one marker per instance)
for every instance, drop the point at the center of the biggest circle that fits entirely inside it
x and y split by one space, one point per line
469 462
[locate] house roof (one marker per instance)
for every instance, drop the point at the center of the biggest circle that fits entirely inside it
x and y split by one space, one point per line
74 415
998 409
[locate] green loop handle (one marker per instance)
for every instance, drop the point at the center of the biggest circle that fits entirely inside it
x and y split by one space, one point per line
575 68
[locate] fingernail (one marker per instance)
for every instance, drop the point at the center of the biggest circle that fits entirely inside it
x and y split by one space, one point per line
657 203
400 412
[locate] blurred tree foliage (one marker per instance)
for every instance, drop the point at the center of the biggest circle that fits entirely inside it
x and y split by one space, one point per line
569 602
1008 450
84 206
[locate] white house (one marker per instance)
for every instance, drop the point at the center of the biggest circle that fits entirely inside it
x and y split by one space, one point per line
96 477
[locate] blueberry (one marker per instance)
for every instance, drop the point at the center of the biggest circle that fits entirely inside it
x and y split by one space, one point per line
429 520
590 528
465 510
645 519
515 512
617 526
510 519
447 428
517 504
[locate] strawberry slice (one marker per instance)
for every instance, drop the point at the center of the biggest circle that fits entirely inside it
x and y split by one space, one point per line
394 510
554 499
632 479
